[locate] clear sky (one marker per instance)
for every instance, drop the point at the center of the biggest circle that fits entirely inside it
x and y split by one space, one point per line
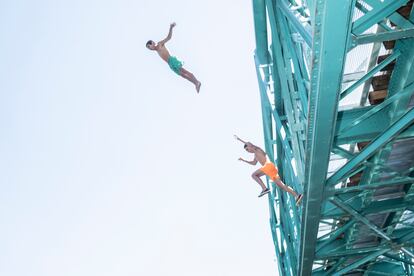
110 163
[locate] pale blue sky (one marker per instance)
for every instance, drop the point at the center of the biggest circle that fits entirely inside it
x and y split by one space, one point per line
113 165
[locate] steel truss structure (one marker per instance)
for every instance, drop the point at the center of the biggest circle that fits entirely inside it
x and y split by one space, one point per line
336 83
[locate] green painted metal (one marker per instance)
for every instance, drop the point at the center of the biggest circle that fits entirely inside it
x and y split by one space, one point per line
336 254
378 13
361 124
371 186
404 93
289 47
402 76
287 223
376 48
361 262
384 36
405 260
359 217
333 235
288 105
363 9
260 25
331 23
266 115
300 81
386 206
396 18
371 73
295 22
380 141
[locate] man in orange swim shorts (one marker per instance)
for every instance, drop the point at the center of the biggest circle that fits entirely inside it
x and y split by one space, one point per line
268 168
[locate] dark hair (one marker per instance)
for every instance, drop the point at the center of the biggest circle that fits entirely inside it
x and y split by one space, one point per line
149 42
245 146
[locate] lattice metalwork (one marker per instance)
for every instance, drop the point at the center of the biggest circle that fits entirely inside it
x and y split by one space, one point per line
336 83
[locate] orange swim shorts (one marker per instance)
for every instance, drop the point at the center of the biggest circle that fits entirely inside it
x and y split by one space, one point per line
270 170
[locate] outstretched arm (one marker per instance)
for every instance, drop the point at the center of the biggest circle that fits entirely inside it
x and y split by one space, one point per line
172 25
253 162
244 142
238 139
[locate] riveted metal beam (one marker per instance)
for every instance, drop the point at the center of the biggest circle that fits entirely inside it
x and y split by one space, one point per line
331 24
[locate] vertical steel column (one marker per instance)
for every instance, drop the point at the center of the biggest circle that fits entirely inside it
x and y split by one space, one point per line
331 26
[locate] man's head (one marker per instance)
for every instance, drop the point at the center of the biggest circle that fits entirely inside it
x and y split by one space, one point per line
150 45
248 147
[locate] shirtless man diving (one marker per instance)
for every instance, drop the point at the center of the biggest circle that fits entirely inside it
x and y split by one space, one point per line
173 62
268 168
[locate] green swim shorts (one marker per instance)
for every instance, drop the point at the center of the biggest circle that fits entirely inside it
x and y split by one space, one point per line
175 64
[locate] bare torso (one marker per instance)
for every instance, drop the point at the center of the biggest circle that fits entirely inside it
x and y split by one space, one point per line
163 52
260 156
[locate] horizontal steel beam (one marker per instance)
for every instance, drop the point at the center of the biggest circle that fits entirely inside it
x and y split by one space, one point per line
384 36
328 255
383 206
395 182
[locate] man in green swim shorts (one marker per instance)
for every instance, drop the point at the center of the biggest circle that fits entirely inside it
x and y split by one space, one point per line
173 62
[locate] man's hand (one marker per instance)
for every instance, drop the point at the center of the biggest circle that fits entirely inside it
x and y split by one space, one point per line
172 25
238 139
241 159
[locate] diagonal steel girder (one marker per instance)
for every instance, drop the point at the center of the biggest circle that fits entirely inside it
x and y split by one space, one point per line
381 9
306 35
359 217
369 74
331 25
406 120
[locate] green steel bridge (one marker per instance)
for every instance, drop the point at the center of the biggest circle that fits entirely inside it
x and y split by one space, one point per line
336 81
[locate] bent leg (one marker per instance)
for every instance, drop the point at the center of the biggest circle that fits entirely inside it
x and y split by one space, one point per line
285 187
256 176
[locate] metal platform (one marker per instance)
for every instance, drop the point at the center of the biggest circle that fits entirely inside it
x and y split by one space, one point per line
336 83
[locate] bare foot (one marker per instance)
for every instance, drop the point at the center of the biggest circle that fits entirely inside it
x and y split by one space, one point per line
198 86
